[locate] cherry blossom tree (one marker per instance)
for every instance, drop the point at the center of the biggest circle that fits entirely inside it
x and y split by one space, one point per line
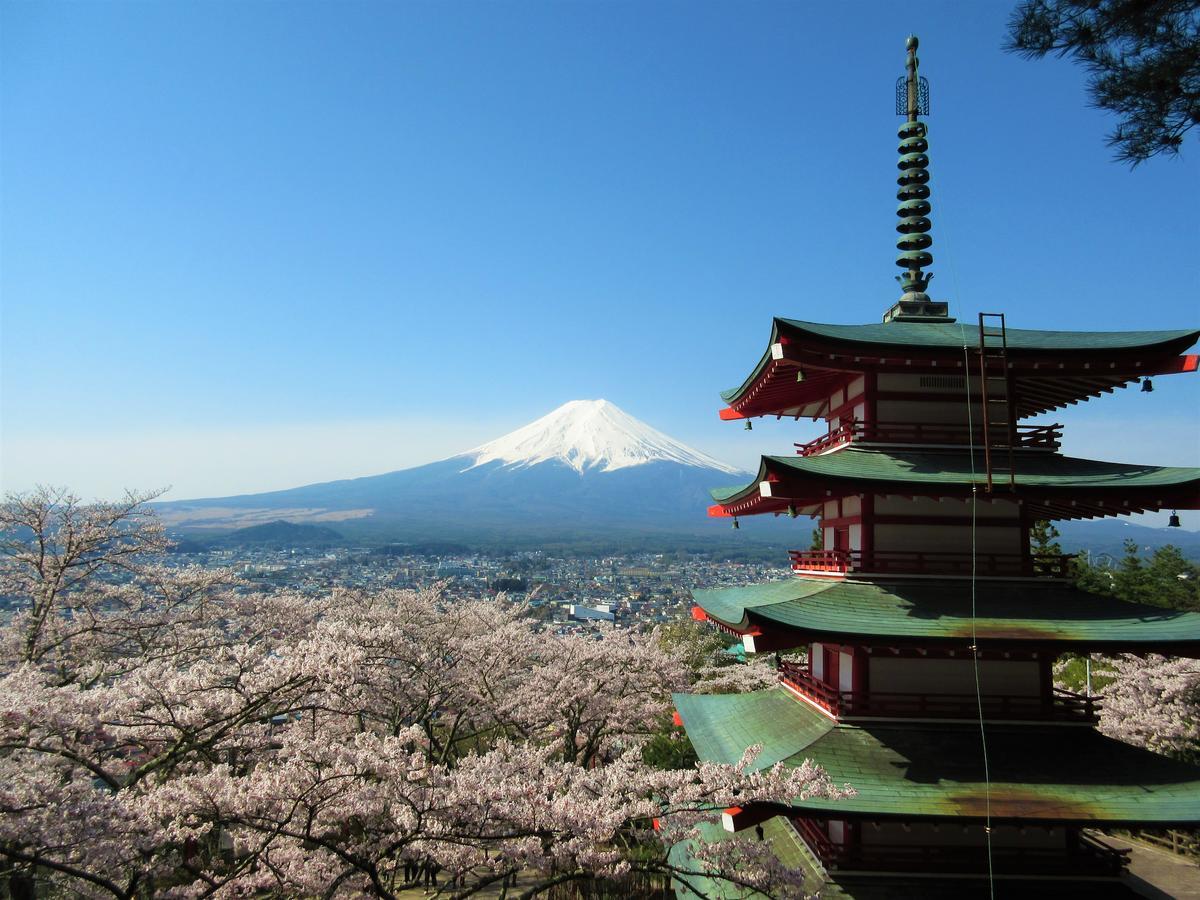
1154 702
169 732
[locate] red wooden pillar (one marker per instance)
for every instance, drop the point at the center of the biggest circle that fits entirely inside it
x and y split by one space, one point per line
868 531
830 662
861 684
1046 680
1026 521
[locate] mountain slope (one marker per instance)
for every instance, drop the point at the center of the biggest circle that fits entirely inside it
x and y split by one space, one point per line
587 466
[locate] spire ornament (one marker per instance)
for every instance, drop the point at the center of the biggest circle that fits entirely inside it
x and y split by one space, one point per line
912 102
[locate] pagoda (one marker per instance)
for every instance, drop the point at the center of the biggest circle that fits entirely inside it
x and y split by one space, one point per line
926 623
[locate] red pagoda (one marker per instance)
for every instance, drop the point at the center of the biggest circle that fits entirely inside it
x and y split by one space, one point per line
929 624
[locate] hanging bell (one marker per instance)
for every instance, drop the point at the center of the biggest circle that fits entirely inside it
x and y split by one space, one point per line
1173 522
792 511
736 526
749 425
1147 386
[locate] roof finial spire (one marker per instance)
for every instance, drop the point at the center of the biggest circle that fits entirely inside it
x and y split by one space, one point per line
912 102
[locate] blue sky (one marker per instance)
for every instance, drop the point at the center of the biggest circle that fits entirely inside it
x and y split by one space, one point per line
250 245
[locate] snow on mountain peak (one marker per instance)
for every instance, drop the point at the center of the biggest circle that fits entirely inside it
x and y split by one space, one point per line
590 435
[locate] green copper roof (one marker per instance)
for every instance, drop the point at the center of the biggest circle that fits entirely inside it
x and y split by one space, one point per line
956 468
1005 611
785 844
722 726
943 336
950 334
910 769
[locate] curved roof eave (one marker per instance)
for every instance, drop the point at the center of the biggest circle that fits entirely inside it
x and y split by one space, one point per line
943 336
1041 613
930 770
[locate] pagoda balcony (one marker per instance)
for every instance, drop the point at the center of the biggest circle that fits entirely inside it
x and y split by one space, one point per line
1028 437
840 563
1060 706
1087 856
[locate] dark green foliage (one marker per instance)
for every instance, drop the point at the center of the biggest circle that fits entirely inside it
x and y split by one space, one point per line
282 533
1072 674
1043 540
1142 58
1165 579
669 748
694 644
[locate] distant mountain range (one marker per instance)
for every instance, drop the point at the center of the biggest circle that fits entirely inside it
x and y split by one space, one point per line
586 470
1108 536
588 467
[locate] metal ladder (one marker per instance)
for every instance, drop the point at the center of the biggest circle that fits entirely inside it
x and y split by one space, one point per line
999 420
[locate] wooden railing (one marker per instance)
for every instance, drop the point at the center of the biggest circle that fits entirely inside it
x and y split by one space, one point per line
1184 843
798 675
1031 437
1060 706
814 834
930 562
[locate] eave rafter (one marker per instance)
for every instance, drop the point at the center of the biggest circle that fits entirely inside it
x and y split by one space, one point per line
794 376
781 489
996 645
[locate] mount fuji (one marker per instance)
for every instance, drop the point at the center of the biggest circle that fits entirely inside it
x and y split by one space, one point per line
586 468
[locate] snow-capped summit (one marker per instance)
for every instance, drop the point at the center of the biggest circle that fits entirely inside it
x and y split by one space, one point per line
589 435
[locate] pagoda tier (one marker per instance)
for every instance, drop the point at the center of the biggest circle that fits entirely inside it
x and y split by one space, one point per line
927 770
1047 485
1030 864
1048 618
1020 871
809 369
912 649
1047 864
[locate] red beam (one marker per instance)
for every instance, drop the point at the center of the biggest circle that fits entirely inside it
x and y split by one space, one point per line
729 414
1189 363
